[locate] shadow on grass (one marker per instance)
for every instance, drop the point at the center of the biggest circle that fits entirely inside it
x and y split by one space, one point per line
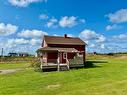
90 63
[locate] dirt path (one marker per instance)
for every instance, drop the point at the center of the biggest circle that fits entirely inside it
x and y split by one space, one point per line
8 71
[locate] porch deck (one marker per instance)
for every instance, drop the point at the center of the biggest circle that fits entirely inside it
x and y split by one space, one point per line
55 66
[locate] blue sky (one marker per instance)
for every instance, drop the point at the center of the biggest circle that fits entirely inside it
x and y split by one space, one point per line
102 24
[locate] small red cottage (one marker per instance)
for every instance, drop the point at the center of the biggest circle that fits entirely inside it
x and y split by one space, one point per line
65 50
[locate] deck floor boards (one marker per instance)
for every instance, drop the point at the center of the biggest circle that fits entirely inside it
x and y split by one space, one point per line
55 66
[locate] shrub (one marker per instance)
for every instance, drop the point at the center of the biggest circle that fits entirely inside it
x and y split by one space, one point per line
36 65
111 54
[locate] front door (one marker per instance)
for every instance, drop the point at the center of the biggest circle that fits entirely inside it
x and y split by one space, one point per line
63 57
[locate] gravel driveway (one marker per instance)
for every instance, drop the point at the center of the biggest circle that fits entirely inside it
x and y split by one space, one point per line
8 71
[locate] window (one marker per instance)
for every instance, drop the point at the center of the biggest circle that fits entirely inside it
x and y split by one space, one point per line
80 54
64 55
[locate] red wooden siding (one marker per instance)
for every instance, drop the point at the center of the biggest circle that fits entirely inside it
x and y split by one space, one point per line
52 57
70 55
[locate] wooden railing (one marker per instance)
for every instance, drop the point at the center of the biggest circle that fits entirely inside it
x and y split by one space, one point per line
76 60
68 65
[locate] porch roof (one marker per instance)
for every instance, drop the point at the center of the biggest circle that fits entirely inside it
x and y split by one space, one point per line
57 49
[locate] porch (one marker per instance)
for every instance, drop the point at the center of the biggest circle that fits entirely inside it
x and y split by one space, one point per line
60 58
54 67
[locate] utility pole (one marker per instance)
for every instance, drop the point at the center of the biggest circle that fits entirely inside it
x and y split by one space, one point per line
2 51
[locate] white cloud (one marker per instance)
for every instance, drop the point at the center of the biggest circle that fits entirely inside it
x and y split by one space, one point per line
35 41
121 37
24 3
20 44
102 46
88 34
119 16
22 41
7 29
52 22
43 16
92 46
12 42
95 46
56 35
68 21
113 27
64 22
32 33
100 39
70 35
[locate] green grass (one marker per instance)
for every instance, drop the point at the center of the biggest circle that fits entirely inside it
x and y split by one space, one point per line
8 59
13 65
106 77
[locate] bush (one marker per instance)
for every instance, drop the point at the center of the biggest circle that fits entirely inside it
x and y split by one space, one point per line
111 54
36 65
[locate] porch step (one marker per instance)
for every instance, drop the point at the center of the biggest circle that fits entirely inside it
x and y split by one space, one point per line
63 67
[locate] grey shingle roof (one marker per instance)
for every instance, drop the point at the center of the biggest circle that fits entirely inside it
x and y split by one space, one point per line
63 40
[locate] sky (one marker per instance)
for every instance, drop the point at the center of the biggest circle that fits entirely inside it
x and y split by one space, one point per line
102 24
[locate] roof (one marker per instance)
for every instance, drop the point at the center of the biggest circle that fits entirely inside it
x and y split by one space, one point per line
63 40
48 49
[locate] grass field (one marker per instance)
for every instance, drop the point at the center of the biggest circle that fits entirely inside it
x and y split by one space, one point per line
13 65
108 76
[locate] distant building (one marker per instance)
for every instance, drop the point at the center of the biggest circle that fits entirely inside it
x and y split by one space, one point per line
21 54
95 53
12 54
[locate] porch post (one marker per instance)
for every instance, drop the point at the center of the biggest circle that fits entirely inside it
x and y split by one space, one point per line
84 57
58 62
40 58
68 65
67 62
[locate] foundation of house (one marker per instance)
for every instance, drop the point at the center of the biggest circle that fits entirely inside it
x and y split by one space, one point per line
61 67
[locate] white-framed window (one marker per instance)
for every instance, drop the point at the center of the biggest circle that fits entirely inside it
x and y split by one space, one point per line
80 54
64 55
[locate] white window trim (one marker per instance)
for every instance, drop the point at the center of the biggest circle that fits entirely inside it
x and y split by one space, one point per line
64 56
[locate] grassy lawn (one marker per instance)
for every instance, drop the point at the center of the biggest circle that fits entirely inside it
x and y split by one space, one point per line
13 65
106 77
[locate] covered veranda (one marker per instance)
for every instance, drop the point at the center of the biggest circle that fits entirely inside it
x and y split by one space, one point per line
52 57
